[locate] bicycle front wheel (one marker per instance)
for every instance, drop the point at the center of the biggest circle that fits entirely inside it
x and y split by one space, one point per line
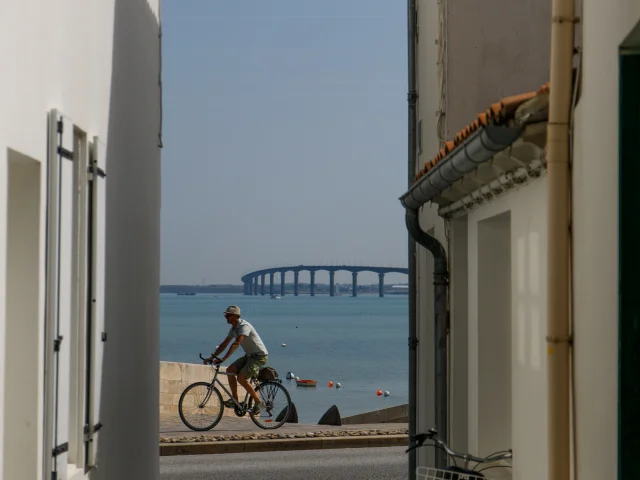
277 405
200 406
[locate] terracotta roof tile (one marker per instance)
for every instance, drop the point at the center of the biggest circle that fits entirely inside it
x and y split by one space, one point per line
498 113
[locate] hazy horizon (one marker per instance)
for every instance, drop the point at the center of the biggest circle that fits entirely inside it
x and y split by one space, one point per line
284 137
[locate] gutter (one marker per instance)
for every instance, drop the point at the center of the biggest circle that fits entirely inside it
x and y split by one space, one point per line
478 148
441 276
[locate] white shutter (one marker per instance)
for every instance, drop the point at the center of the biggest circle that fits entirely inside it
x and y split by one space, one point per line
96 326
59 278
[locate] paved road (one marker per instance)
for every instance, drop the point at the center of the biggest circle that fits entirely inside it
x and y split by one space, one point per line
388 463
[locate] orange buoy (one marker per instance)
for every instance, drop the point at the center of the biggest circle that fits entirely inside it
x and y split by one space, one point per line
379 392
330 384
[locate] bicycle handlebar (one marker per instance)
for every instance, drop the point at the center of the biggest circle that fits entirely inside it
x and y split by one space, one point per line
205 359
432 435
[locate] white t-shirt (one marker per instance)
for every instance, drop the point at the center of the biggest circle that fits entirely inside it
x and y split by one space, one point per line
251 343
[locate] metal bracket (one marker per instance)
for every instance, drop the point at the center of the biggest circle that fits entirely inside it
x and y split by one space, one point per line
86 432
104 336
560 339
56 343
60 449
413 342
98 171
64 153
562 19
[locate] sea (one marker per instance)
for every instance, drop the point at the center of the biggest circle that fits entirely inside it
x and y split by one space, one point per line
359 342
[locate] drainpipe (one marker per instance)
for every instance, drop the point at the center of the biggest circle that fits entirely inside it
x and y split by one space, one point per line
559 224
413 326
441 279
440 283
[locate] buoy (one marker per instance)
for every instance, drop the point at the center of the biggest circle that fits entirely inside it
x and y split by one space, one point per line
297 378
379 392
386 394
284 344
338 385
330 384
290 375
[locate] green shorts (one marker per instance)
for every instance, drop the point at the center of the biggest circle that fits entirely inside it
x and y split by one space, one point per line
249 365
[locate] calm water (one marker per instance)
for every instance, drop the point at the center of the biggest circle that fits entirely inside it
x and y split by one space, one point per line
360 342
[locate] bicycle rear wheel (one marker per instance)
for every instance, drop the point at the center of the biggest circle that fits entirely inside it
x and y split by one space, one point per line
200 406
277 405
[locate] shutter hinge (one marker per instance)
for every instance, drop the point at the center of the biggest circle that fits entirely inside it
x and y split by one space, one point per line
60 126
104 336
86 432
56 343
413 342
98 171
64 153
60 449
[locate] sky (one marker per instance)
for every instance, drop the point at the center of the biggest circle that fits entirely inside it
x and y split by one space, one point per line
285 137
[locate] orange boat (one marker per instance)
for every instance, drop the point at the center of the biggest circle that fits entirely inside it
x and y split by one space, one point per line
306 383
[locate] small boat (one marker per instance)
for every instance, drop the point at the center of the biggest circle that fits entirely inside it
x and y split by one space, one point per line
306 383
275 297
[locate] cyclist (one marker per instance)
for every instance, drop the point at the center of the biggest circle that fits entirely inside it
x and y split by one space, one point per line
246 367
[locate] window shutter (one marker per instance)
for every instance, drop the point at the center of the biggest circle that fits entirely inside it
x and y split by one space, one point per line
59 288
96 275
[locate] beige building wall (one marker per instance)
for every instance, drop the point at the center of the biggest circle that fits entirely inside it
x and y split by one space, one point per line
470 54
428 88
495 48
595 201
473 241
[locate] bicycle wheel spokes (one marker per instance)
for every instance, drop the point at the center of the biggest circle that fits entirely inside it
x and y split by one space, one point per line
200 406
276 401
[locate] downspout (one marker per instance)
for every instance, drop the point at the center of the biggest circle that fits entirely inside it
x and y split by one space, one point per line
558 238
440 273
413 326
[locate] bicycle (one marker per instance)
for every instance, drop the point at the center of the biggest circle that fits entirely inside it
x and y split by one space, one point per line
210 393
454 472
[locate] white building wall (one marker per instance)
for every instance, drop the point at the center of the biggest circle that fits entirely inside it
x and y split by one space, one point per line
595 227
526 388
98 63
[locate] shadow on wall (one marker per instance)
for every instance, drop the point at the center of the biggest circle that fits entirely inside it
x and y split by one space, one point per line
128 441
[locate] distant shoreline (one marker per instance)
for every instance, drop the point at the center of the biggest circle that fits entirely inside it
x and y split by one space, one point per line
303 288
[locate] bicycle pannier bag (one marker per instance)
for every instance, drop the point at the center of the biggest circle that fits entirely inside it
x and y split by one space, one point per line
267 373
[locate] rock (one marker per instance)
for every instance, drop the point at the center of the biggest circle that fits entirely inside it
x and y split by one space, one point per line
293 416
331 417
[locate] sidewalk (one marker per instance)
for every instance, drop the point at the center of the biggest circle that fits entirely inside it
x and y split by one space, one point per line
241 435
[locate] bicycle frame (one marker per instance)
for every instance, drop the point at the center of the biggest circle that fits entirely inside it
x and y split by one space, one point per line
215 380
467 458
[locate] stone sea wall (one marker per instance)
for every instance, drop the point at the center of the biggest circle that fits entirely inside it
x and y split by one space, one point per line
175 377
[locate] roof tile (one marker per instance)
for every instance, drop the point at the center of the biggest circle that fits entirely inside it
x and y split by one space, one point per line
499 113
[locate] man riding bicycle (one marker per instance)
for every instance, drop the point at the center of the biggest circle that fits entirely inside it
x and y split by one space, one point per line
246 367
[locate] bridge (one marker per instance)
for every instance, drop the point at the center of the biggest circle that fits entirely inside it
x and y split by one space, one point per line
254 282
